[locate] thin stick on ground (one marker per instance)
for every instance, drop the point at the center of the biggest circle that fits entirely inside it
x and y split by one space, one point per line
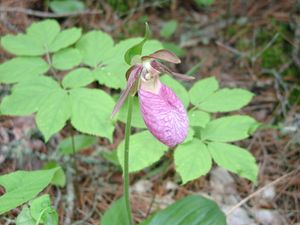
259 191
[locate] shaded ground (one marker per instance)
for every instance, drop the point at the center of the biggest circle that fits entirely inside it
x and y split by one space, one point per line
248 44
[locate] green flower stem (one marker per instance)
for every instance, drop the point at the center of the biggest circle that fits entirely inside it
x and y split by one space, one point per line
126 160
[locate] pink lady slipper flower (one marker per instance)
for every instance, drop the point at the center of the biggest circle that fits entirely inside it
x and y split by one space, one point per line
163 112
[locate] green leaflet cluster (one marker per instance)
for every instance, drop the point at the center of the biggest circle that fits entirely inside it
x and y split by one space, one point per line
74 61
208 140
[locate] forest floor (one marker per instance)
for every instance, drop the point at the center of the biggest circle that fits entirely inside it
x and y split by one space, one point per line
248 44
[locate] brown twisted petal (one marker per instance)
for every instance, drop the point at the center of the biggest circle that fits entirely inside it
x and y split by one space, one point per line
133 76
164 69
163 54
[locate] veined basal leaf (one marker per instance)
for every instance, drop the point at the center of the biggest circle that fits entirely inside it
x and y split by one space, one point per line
66 59
226 100
78 78
229 128
91 111
192 160
65 147
28 96
144 151
22 68
234 159
22 186
116 213
203 89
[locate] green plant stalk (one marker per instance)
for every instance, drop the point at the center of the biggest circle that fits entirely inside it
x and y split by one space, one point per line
126 161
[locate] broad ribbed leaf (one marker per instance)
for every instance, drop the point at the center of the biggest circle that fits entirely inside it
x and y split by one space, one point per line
66 59
22 186
53 113
191 210
78 78
168 29
226 100
203 89
94 47
28 96
229 128
65 39
25 217
234 159
91 110
22 68
80 142
192 160
144 150
198 118
116 214
178 88
66 6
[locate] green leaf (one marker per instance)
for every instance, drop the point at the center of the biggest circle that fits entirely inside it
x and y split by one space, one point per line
168 29
226 100
229 128
137 119
44 32
66 59
22 68
144 150
35 42
116 214
59 178
234 159
25 218
137 49
191 210
91 111
66 6
65 147
198 118
190 135
204 2
22 186
53 113
28 96
111 156
65 39
203 89
21 45
192 160
78 78
95 46
180 90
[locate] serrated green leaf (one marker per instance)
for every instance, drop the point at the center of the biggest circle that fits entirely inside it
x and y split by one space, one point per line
59 178
137 119
234 159
66 6
192 160
65 39
78 78
22 186
22 68
80 141
168 29
91 111
226 100
28 96
203 89
191 210
116 213
198 118
144 150
66 59
190 135
178 88
137 49
53 113
43 32
25 218
21 45
229 128
95 46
